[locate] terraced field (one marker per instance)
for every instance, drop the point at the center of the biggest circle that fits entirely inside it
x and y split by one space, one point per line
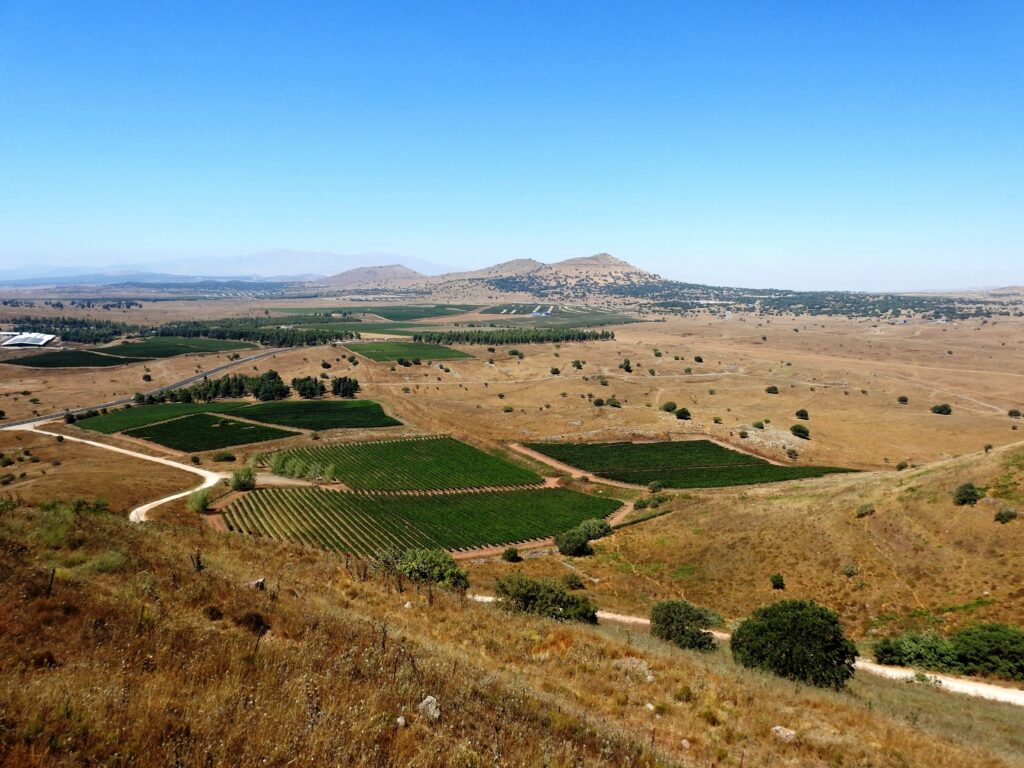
685 464
321 414
365 524
169 346
144 415
205 432
387 351
417 464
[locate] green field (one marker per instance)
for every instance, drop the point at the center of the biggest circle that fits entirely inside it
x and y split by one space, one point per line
415 464
70 358
366 524
386 351
169 346
395 329
686 464
391 312
205 432
144 415
321 414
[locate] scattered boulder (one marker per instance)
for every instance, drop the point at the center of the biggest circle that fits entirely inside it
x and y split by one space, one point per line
685 744
783 734
408 604
400 722
429 710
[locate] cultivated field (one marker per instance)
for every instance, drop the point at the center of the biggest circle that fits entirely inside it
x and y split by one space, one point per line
321 414
144 415
419 464
367 524
388 351
169 346
682 464
205 432
68 358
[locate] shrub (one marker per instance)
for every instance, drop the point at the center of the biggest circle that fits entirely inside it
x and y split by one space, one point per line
573 543
802 414
943 409
684 414
434 566
668 407
544 597
243 479
901 466
555 372
917 649
772 390
865 510
199 501
511 555
799 430
990 649
758 425
683 623
966 495
792 453
223 456
595 529
1005 516
1013 413
799 640
698 359
902 399
573 580
778 581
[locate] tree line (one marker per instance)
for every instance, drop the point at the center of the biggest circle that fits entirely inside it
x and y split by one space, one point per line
513 336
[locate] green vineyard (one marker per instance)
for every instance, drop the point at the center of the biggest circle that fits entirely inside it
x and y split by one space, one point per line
419 464
366 524
682 464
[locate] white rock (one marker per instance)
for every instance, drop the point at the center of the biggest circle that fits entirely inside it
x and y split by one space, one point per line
783 734
400 722
649 707
685 744
429 709
408 604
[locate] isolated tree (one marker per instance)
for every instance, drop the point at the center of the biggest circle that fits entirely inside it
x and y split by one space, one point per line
943 409
684 414
778 581
772 390
802 414
902 399
668 406
1013 413
799 430
544 597
799 640
433 566
683 623
573 543
966 494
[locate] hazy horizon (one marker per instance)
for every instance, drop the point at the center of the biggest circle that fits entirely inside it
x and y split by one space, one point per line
869 147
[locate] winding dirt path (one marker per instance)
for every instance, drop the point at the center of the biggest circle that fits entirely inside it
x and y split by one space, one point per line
951 683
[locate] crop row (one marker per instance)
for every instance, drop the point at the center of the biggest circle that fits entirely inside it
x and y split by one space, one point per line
366 524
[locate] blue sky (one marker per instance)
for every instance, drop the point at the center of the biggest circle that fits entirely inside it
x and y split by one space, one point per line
810 145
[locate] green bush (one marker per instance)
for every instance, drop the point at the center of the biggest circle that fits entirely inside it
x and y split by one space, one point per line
683 414
917 649
758 425
990 649
966 495
799 430
595 529
223 456
683 623
902 399
778 581
668 407
1005 516
772 390
943 409
865 510
573 580
199 501
544 597
511 555
1013 413
573 543
799 640
243 479
802 414
433 566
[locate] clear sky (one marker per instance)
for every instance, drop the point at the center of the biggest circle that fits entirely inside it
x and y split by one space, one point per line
800 144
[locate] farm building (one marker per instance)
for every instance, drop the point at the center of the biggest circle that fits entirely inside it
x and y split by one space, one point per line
28 340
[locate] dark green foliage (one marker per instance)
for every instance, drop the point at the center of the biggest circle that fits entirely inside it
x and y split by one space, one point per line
573 543
69 358
223 456
943 409
966 494
979 649
511 555
544 597
799 430
309 387
433 566
668 406
865 510
344 386
262 330
683 623
204 432
796 639
410 351
772 390
902 399
802 414
1006 515
321 414
1014 413
265 387
573 580
595 529
679 464
778 581
169 346
683 414
363 523
513 336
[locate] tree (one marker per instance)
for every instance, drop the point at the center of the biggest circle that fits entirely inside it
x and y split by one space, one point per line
799 640
778 581
802 414
943 409
595 529
343 386
683 414
902 399
511 555
966 494
772 390
1013 413
199 501
683 623
573 543
799 430
555 372
243 479
544 597
433 566
308 387
668 407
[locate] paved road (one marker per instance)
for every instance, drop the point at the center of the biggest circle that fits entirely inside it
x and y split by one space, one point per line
962 685
126 400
